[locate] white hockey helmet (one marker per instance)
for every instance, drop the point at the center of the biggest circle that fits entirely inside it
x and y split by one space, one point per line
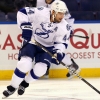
59 6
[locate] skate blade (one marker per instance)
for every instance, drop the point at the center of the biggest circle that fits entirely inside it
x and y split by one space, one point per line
73 75
4 97
17 95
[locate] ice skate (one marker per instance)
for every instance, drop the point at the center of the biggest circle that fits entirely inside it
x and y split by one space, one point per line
10 90
22 87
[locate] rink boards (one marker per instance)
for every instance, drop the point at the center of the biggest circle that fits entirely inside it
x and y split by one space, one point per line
56 73
85 52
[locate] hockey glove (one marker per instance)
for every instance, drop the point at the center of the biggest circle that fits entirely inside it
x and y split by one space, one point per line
59 55
26 31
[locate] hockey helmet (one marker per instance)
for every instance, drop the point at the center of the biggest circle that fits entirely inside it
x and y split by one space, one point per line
59 6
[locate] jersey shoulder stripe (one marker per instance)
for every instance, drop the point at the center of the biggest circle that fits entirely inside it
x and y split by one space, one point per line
23 11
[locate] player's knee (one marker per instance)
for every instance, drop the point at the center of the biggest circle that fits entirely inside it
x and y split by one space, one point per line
40 69
25 64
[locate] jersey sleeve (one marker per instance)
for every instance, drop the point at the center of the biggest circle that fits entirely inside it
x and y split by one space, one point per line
62 39
70 20
26 15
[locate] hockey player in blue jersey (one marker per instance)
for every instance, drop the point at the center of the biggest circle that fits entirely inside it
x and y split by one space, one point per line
49 28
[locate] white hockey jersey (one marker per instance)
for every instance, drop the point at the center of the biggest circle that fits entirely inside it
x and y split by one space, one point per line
68 17
45 32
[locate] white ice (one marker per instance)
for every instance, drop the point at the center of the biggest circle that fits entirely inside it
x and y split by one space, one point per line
57 89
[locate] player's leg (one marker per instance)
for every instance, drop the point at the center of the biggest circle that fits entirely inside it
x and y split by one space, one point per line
46 75
23 66
38 71
37 59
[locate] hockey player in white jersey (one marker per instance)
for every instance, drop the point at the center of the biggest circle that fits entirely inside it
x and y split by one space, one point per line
49 28
69 19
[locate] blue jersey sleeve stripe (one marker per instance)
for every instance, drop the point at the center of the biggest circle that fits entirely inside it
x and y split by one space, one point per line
26 24
23 11
66 45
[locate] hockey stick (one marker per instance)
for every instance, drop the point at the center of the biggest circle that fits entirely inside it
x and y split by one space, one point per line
85 37
38 44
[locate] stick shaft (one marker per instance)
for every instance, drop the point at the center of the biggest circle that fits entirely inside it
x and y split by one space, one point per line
86 37
88 83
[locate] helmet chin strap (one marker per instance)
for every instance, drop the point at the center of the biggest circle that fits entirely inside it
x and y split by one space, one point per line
53 17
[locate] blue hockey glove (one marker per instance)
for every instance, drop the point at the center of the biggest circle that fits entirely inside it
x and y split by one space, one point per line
26 31
58 54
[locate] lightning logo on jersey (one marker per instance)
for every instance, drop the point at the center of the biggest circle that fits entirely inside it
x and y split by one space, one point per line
45 32
46 29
